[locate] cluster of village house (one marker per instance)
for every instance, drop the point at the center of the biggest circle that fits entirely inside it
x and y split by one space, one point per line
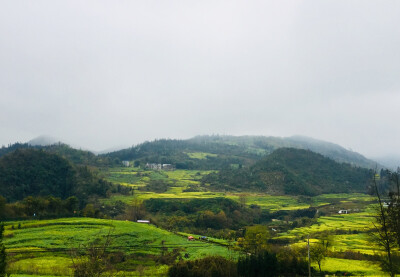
159 166
153 166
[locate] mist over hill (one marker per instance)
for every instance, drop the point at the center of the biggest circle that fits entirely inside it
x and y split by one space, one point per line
43 141
391 162
243 150
217 151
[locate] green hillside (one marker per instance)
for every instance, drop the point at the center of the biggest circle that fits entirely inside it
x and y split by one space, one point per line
201 152
266 145
76 156
216 152
187 154
292 171
32 172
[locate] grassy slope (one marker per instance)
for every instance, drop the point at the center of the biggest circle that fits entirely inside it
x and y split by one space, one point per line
38 237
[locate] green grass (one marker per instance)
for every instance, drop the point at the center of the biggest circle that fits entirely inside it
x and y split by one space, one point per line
132 176
355 242
209 239
71 232
179 179
360 222
29 246
347 196
273 203
34 275
200 155
136 177
48 265
355 267
172 193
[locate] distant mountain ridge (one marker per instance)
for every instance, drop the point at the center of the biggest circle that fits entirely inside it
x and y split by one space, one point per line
240 149
218 151
391 162
331 150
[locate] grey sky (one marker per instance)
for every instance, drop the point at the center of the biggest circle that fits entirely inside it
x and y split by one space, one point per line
100 74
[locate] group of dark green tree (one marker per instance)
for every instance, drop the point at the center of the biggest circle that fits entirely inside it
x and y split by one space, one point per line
257 259
292 171
36 182
217 217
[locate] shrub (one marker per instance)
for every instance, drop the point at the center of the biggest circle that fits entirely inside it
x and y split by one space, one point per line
207 267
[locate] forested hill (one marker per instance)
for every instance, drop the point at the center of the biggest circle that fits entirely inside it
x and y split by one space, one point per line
216 152
34 172
201 152
293 171
262 144
80 157
188 154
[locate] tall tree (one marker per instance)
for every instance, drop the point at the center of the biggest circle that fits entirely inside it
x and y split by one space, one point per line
255 239
318 253
385 234
394 205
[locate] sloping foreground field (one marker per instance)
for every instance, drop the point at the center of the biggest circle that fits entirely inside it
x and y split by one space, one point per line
44 247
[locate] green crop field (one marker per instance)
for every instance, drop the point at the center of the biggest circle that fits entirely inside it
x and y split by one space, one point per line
200 155
137 177
347 232
360 222
42 247
354 267
180 180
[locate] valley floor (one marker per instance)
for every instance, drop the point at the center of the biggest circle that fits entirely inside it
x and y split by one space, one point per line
45 247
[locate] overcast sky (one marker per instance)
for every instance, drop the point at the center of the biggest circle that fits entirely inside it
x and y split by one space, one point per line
100 74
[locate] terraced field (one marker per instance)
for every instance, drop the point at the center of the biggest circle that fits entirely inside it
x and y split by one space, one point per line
43 247
181 180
